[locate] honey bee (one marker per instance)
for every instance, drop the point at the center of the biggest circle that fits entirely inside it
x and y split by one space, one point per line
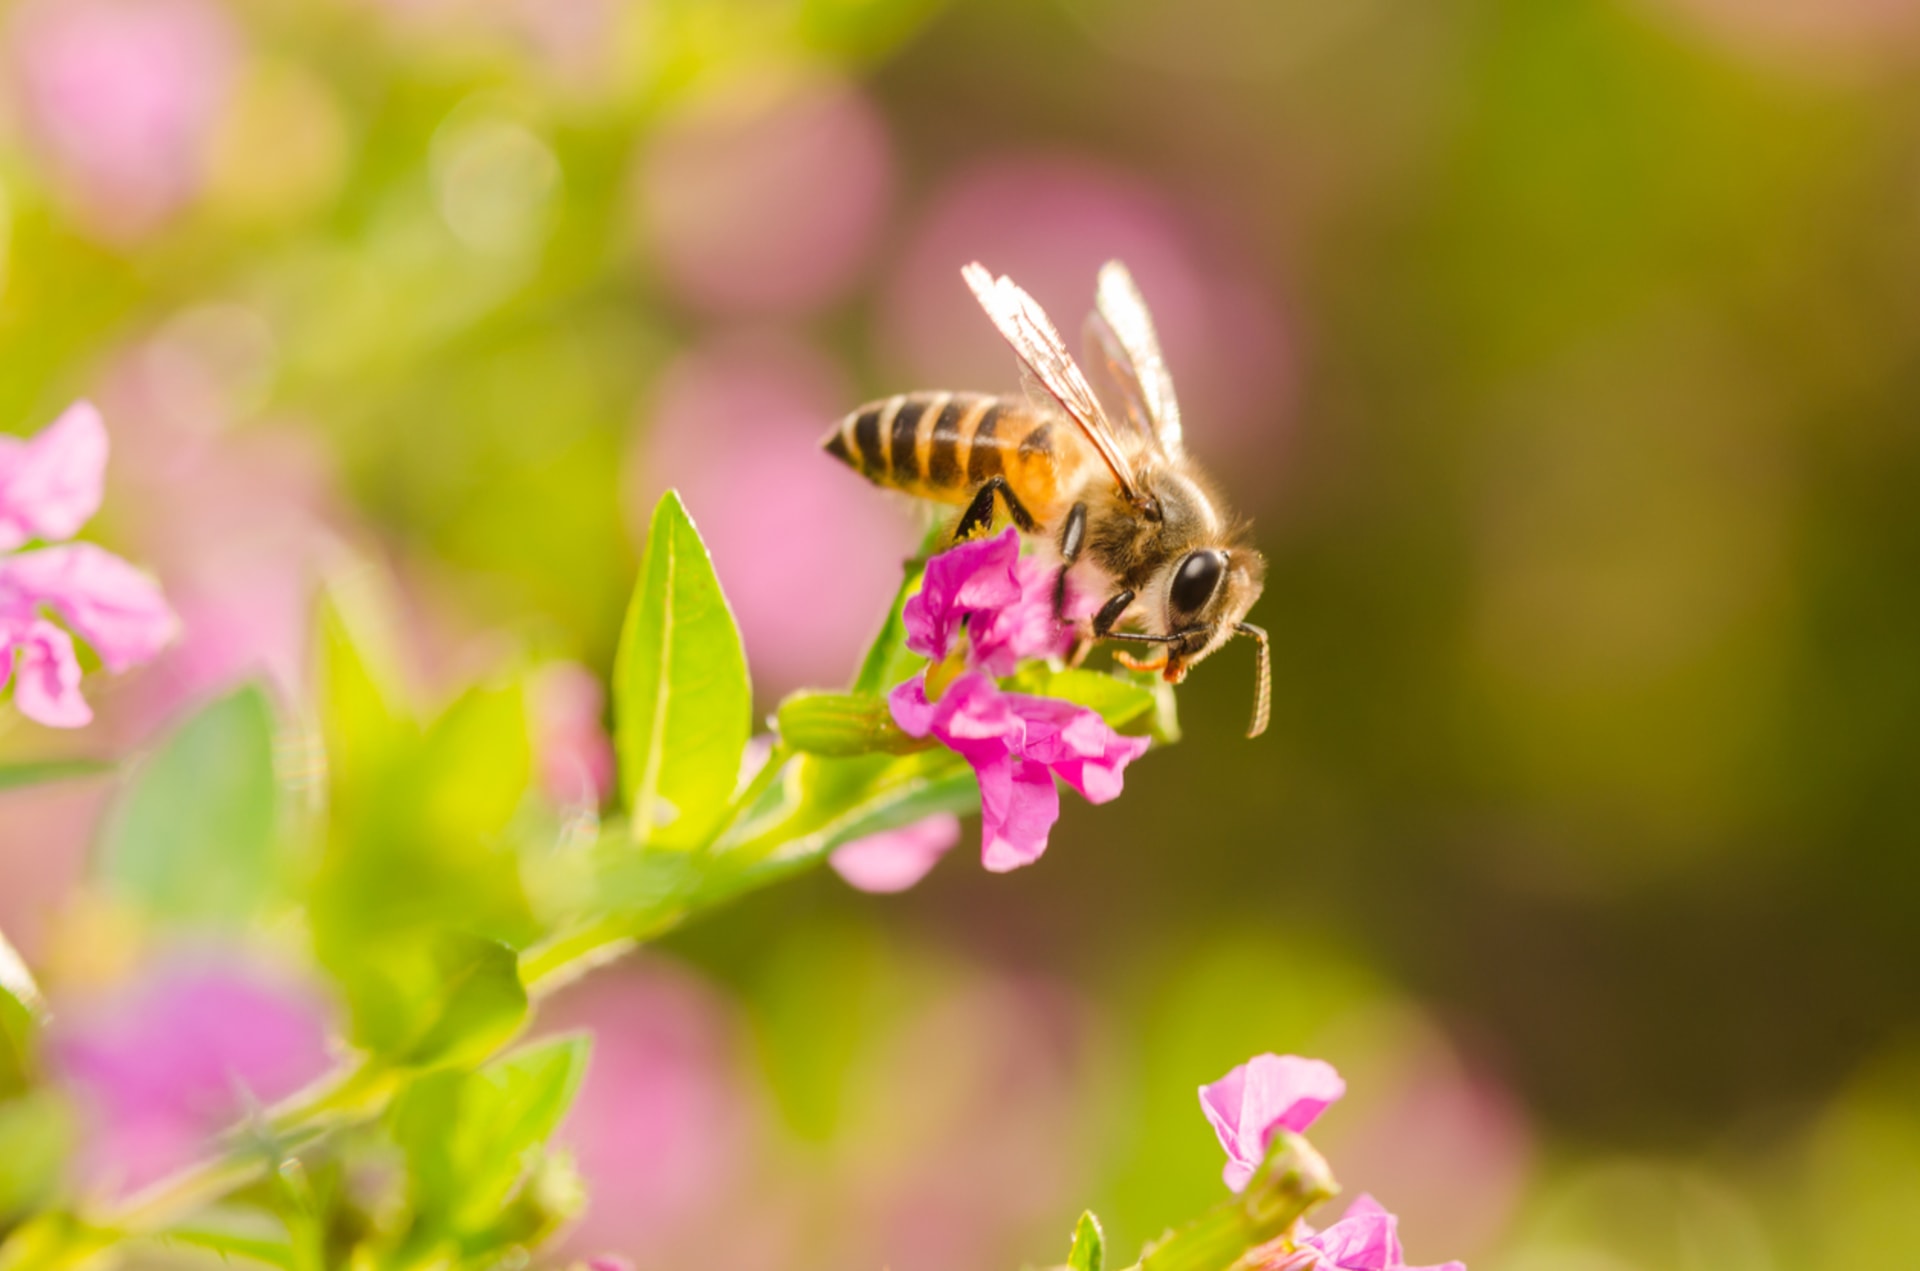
1130 515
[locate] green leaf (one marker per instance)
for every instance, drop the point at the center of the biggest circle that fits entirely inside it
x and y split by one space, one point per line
469 1138
888 660
20 1013
682 700
194 838
15 775
233 1232
36 1133
841 725
1119 702
481 1004
1089 1251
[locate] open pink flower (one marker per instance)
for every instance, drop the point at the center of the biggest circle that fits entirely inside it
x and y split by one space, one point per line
1366 1239
1002 602
1260 1098
49 487
1017 744
894 860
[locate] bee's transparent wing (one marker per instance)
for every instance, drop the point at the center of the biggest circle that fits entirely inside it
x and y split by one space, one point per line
1051 368
1121 328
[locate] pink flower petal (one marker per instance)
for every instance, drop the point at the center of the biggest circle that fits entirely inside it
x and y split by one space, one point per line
1261 1097
1365 1240
1018 805
50 485
46 675
1024 627
971 578
113 606
895 860
1016 745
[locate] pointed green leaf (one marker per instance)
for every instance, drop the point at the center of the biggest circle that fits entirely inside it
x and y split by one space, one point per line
481 1003
470 1137
1089 1245
194 838
682 700
888 660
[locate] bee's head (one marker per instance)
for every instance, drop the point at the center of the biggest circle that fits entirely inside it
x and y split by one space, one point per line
1208 593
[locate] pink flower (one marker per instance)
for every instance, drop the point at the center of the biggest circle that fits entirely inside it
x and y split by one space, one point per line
1003 603
1367 1239
49 486
1261 1097
1017 745
180 1055
895 860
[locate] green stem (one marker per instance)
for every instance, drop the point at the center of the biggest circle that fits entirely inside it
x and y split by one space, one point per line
1293 1180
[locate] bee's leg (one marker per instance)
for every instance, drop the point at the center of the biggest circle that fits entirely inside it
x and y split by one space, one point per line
1073 536
1110 614
979 513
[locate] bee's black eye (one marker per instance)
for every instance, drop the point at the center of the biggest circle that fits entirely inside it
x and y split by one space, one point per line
1197 579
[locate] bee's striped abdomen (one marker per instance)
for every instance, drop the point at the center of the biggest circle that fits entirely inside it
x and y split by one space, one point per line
943 446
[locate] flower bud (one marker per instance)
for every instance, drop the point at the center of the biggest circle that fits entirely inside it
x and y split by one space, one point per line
840 725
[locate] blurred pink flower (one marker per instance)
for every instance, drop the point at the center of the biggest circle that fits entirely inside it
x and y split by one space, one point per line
49 487
660 1128
1261 1097
574 752
1366 1239
1002 602
179 1055
809 559
766 201
1050 222
1016 745
121 97
895 860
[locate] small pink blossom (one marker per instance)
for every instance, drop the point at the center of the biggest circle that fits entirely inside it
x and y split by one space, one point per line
49 486
894 860
113 606
1017 744
1366 1239
1267 1094
1002 602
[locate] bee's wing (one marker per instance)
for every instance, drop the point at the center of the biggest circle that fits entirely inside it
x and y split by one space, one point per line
1123 330
1049 366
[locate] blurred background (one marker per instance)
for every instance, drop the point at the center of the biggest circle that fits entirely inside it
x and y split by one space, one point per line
1565 354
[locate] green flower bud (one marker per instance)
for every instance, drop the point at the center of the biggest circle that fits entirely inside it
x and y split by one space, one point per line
841 725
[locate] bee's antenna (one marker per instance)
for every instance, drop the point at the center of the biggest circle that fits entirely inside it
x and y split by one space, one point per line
1263 691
